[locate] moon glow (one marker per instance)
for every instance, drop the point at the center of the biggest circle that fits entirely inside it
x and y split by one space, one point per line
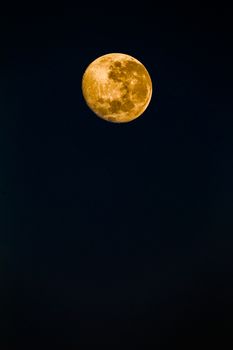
117 87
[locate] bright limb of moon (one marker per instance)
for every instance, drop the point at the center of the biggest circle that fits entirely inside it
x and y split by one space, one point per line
117 87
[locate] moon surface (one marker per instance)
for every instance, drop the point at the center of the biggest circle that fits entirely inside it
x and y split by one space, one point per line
117 87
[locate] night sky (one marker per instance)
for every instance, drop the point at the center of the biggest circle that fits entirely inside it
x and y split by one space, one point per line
116 234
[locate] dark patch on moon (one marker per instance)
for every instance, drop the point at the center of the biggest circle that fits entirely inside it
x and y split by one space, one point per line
117 72
117 64
101 111
140 90
111 119
100 100
115 106
134 67
127 106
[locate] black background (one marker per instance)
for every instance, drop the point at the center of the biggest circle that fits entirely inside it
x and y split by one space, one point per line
117 235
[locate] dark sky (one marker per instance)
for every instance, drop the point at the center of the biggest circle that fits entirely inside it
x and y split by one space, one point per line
117 235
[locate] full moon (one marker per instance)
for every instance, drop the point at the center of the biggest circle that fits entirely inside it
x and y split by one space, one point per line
117 87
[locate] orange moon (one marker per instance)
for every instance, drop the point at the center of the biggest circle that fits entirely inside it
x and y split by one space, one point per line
117 87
